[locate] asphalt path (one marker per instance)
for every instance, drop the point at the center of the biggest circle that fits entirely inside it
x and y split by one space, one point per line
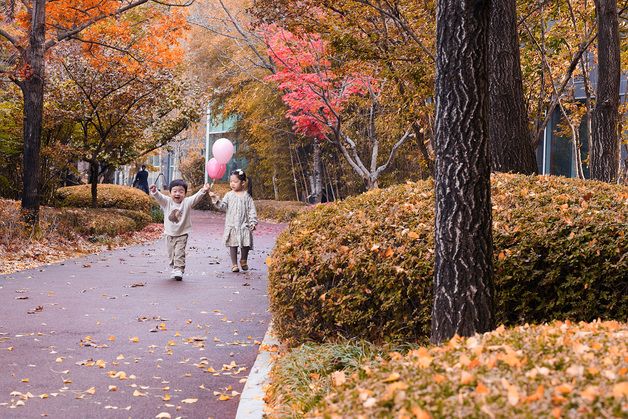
112 336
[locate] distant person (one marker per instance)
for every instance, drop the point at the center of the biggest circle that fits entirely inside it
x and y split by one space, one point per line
177 221
241 218
141 179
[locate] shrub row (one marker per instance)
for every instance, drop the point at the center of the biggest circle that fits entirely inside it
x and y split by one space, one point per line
279 211
364 267
109 196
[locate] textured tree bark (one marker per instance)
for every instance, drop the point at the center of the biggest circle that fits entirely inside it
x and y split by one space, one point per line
604 137
33 91
463 287
509 135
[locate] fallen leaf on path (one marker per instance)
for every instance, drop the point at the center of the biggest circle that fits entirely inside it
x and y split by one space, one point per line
189 401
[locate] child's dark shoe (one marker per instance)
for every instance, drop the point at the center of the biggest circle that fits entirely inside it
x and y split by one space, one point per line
244 265
235 268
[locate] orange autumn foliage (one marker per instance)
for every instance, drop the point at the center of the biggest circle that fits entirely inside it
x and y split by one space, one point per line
144 37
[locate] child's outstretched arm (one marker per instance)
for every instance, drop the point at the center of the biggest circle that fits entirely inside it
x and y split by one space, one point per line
219 204
159 197
196 198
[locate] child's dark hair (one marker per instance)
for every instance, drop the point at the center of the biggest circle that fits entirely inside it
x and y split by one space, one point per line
243 178
178 182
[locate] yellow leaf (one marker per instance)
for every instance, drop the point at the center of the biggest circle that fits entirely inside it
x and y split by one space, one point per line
438 378
420 413
134 339
537 395
189 401
513 395
59 360
172 343
620 390
163 415
120 357
269 261
590 393
166 397
43 396
120 375
138 393
481 388
338 378
111 338
563 389
413 235
25 380
101 363
162 326
466 378
392 377
91 390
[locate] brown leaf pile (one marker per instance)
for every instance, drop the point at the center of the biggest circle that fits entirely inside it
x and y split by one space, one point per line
560 369
55 241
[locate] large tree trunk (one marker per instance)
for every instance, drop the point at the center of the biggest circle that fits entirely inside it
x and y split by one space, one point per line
463 287
605 139
509 135
33 90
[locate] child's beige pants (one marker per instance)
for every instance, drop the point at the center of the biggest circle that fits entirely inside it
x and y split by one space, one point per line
176 250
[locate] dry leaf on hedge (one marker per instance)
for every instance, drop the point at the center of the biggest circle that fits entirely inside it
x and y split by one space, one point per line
338 378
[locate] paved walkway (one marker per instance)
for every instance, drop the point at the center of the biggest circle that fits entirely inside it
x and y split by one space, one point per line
111 336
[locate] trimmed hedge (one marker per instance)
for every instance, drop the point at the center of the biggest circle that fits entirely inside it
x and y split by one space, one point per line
363 268
108 222
109 196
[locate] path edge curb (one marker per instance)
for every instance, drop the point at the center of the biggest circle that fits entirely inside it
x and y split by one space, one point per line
252 402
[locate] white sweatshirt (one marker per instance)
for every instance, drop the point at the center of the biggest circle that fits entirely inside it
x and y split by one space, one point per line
184 223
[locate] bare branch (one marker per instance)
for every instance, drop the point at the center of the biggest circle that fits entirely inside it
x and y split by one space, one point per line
11 39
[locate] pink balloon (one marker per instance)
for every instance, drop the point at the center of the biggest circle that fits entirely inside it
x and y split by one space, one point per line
222 150
215 170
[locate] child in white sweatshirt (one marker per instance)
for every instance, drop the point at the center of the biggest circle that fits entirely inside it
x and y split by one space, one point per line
177 221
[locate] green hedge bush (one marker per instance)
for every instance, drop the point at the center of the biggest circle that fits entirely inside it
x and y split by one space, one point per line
364 267
109 196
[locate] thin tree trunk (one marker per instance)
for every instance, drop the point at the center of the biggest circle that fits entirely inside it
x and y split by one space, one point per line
275 188
463 283
33 91
294 175
94 169
511 148
317 174
605 139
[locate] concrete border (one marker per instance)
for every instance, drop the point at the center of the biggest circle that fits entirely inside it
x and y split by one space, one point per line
252 403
